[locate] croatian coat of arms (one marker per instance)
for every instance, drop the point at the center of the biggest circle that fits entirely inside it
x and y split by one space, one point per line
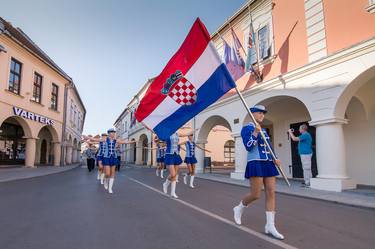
180 89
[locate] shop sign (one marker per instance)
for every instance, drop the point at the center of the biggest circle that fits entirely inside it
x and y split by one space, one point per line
32 116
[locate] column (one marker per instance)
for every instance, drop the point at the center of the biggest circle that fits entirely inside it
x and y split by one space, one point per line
69 149
56 153
330 155
200 154
74 160
139 150
240 157
149 156
30 152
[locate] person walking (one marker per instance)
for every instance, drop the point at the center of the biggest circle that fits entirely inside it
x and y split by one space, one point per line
90 157
190 159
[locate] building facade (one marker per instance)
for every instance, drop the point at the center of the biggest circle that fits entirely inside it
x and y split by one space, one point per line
32 90
317 60
75 114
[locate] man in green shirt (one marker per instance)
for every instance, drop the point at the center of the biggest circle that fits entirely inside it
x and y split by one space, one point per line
304 150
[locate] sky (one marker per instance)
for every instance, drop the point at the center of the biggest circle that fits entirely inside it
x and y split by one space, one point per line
111 47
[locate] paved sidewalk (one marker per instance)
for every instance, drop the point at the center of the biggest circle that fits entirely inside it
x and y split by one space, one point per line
360 198
11 174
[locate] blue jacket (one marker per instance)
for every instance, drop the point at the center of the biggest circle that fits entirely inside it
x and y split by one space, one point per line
102 148
110 148
172 144
255 146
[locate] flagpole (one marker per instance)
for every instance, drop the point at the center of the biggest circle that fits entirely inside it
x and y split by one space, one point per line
257 73
232 30
262 135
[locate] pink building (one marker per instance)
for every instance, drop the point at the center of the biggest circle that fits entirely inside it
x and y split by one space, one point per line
317 61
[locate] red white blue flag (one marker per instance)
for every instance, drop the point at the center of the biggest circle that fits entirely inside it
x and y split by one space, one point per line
192 80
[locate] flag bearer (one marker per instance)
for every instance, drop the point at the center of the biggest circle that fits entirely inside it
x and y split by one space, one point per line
261 170
190 159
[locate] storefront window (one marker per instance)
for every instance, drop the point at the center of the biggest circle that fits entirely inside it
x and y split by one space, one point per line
12 144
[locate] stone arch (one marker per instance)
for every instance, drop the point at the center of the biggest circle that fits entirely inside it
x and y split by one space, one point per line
22 122
359 132
351 89
211 122
52 130
142 149
45 144
274 100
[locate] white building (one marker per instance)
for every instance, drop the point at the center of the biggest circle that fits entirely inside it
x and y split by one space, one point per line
74 121
312 74
141 152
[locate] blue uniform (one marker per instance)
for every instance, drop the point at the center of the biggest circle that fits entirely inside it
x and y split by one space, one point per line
160 154
99 157
259 159
190 153
110 153
172 154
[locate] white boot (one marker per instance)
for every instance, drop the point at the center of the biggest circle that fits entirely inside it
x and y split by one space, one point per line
102 178
105 183
98 176
270 226
238 210
191 181
161 173
185 179
165 186
177 178
173 190
157 172
111 180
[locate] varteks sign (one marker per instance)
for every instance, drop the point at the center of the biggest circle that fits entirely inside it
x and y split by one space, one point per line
30 115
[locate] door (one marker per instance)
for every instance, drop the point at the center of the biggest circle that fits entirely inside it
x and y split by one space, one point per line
43 152
296 160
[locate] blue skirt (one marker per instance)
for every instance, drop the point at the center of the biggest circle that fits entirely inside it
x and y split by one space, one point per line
160 160
110 161
260 169
172 159
99 158
190 160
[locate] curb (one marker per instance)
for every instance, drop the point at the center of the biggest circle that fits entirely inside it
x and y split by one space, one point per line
41 175
363 206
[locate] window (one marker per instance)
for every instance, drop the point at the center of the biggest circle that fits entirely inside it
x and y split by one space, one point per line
54 96
229 152
262 43
71 111
15 76
37 90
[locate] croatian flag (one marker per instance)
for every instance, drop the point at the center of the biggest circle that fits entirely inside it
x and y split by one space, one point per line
192 80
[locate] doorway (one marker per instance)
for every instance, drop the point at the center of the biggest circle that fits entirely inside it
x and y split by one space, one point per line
296 160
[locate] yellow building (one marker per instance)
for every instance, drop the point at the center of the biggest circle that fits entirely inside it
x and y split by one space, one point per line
32 101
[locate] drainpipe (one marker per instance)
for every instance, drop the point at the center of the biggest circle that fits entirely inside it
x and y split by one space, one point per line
64 124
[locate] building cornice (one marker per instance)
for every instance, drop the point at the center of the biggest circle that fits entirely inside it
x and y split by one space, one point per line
339 57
